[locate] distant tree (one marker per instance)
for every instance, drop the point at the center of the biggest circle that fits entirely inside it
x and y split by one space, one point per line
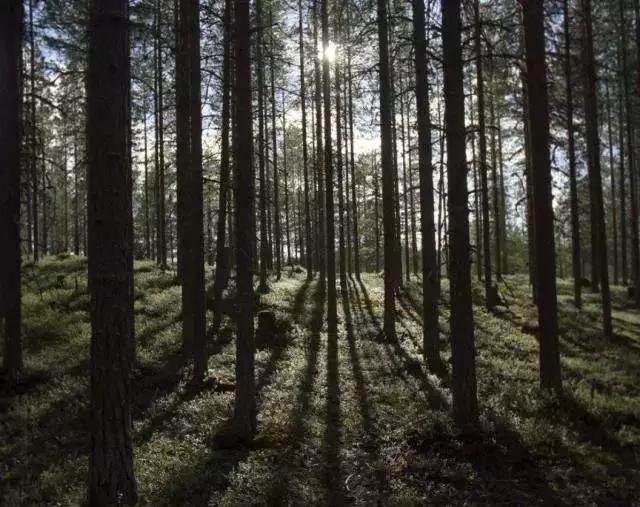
595 177
305 149
10 141
111 477
573 187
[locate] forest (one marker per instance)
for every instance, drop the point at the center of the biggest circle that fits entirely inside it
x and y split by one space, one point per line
319 252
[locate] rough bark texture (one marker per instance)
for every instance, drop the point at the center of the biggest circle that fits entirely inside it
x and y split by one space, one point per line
193 292
388 180
10 140
463 386
543 209
429 268
111 479
244 414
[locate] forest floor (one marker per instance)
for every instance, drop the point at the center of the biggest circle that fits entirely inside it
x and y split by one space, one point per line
347 421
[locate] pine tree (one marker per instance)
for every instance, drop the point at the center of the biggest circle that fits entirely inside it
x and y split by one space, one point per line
10 140
463 388
111 478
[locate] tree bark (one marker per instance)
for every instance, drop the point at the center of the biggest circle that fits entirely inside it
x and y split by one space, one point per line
11 33
332 317
111 477
425 168
244 413
305 149
538 117
388 179
463 388
595 177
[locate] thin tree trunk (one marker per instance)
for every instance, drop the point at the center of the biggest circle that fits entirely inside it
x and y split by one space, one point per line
264 243
320 162
482 163
276 175
222 260
305 150
613 190
244 413
33 145
430 280
342 263
332 317
595 178
354 201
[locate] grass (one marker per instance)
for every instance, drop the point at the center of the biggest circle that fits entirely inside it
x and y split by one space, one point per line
343 420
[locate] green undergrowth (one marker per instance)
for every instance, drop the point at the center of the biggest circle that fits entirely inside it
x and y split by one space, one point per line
343 420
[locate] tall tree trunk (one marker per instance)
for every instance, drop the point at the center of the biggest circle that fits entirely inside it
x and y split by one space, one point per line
286 179
494 172
11 29
388 178
147 222
595 178
33 144
476 194
305 150
244 413
342 262
622 180
376 197
320 164
633 177
430 278
405 188
274 137
332 317
533 17
160 169
614 218
482 163
191 237
111 477
264 243
352 162
463 385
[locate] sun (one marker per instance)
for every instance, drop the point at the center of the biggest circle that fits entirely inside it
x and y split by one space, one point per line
330 52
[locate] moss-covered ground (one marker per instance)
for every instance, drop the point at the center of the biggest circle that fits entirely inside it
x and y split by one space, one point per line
346 420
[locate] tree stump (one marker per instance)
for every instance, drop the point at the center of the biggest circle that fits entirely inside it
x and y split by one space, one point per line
631 292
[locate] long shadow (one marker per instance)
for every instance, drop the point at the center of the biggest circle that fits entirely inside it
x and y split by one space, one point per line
332 437
591 429
282 339
299 417
506 472
409 365
372 436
